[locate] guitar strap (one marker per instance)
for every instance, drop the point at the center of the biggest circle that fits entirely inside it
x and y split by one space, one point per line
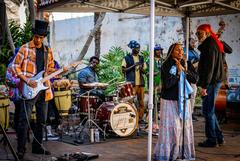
45 57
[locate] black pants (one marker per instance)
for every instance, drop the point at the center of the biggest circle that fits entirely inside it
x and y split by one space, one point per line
25 111
17 105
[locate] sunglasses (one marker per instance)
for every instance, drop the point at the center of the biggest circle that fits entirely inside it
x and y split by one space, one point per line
198 33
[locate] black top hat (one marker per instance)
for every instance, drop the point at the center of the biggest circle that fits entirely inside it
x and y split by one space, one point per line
41 28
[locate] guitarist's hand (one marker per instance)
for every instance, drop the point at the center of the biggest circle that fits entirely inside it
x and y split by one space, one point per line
65 69
32 83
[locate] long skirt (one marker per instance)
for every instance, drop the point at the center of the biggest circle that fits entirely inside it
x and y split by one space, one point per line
169 144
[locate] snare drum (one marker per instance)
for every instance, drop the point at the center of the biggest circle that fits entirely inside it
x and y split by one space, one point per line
120 118
85 101
4 111
63 101
126 90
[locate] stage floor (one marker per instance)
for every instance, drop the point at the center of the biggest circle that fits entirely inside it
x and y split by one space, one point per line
135 149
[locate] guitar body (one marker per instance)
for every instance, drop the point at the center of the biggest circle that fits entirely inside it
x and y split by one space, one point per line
29 92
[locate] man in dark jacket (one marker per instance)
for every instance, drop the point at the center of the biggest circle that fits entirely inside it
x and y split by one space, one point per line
211 74
133 67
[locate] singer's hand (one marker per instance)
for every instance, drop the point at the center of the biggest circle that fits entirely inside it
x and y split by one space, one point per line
179 66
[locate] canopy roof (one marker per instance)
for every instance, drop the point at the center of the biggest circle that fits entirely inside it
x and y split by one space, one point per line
192 8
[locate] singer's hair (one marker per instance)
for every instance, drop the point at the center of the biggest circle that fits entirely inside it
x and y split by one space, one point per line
94 57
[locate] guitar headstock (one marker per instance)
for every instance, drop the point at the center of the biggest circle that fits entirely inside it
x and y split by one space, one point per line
221 29
72 65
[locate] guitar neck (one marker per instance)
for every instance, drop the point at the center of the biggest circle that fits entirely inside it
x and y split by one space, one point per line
58 72
52 75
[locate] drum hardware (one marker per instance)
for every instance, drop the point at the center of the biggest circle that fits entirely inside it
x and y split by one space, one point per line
88 119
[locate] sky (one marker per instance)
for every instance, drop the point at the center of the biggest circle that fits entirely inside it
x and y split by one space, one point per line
63 15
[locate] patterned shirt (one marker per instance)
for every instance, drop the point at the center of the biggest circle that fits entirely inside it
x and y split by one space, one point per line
25 64
87 75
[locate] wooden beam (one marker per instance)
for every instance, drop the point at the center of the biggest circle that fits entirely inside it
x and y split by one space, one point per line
91 35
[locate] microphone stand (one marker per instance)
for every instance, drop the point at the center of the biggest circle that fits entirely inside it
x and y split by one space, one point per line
184 110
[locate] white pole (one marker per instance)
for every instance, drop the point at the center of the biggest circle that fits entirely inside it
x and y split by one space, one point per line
187 35
150 101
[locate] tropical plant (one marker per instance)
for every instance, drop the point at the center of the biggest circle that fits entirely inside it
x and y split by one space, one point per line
110 68
20 35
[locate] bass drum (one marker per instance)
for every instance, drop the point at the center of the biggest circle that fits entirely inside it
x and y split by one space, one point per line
121 118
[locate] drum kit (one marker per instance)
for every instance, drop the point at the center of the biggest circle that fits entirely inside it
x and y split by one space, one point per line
118 115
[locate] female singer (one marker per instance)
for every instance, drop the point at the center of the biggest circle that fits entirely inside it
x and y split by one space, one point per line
172 113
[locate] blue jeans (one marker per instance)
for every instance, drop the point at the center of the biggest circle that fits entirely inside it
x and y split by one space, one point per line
212 129
24 120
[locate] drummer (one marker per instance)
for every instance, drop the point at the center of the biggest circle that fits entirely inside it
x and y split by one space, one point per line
88 75
133 67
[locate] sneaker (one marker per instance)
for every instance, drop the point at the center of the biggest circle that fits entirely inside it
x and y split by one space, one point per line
40 151
207 144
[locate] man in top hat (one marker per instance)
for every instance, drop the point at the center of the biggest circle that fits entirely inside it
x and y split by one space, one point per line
32 58
133 67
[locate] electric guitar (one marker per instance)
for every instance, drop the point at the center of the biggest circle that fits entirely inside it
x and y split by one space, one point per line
30 93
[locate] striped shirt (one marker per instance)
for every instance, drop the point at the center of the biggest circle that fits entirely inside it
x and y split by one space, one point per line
24 63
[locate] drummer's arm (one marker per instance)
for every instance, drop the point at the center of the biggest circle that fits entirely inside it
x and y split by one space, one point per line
82 80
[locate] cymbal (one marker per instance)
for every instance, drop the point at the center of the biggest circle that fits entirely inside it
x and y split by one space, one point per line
120 83
96 84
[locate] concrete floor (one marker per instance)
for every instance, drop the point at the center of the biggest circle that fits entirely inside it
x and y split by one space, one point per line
135 149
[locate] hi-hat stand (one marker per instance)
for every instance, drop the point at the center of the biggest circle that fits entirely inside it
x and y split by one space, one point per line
90 122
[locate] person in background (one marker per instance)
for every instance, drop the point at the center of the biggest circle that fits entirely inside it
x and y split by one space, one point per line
194 58
133 67
158 53
14 94
170 143
53 118
211 75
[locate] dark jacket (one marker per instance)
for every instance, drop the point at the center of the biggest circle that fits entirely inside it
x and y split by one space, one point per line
210 67
170 81
130 74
